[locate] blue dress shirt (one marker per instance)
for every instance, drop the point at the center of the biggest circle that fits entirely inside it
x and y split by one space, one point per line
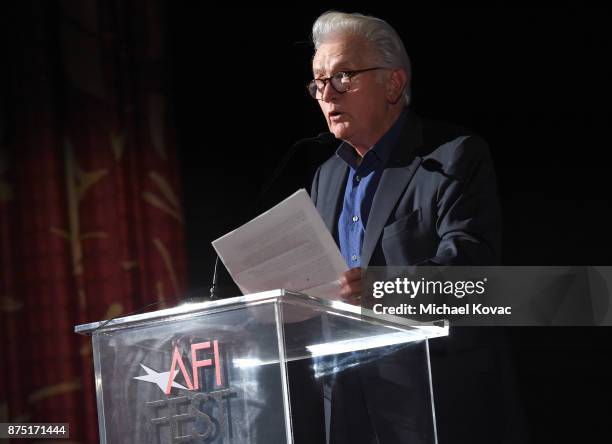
361 185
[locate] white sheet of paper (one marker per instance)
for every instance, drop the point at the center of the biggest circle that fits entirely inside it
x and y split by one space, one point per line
287 247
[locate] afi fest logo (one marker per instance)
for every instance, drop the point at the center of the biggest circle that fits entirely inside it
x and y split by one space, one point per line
165 380
197 416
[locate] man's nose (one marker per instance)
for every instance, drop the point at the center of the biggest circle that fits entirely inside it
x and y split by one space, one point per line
329 93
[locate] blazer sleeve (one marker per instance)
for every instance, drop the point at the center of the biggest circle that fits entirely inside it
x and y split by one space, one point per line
468 210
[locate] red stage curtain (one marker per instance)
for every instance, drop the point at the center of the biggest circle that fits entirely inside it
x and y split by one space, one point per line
90 215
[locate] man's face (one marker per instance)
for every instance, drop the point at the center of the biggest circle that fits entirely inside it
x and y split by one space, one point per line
357 115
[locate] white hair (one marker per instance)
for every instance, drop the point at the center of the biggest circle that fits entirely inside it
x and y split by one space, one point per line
386 44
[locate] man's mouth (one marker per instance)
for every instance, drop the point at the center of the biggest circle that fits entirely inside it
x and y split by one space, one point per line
334 115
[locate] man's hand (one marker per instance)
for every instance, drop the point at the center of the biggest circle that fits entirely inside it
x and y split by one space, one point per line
350 282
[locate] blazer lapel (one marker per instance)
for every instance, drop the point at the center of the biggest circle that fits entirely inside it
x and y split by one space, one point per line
395 178
332 198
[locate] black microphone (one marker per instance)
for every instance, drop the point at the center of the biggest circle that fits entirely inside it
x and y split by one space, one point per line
325 138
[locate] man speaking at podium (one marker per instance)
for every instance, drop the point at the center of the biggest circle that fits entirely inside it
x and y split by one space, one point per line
401 190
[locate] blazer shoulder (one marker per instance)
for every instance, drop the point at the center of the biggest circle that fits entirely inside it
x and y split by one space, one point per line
453 148
438 134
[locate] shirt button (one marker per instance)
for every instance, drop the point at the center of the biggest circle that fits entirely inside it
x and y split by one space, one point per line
357 178
354 257
355 218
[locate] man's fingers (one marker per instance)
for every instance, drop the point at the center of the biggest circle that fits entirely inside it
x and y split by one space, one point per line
351 292
350 288
351 275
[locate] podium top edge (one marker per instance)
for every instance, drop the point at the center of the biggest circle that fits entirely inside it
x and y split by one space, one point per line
262 297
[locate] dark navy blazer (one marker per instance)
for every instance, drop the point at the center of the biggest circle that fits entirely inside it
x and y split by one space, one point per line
436 203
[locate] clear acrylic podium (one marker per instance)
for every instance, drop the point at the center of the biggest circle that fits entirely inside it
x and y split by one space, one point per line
221 371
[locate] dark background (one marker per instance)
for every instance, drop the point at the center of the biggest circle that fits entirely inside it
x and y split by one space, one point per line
533 82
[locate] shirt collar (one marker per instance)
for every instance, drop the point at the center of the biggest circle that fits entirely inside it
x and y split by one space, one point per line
381 150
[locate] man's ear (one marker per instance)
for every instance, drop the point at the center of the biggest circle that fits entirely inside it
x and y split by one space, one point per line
396 85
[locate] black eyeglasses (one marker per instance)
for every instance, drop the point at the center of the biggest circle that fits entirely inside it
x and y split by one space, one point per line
341 82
